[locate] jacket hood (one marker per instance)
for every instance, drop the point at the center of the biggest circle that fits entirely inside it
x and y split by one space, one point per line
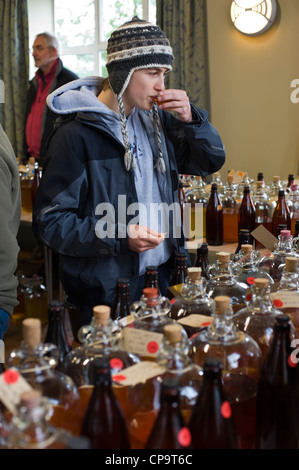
77 95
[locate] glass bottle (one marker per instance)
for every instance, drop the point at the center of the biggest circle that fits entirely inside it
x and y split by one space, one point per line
275 187
30 428
122 304
223 280
36 181
246 218
214 218
179 275
56 333
169 430
290 181
36 362
249 259
274 262
101 338
192 307
286 296
262 207
202 259
277 403
26 182
151 277
230 207
243 238
281 214
292 200
104 423
241 359
257 319
211 424
198 195
36 300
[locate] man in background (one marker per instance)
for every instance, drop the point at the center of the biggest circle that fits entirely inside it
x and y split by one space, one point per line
10 215
51 74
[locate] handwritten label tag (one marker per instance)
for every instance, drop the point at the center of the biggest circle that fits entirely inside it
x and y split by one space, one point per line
265 237
285 299
141 342
12 385
196 321
138 373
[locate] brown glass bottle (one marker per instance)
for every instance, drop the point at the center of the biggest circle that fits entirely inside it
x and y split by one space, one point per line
104 424
247 213
151 277
169 430
180 270
281 214
202 259
56 333
214 218
277 408
243 239
211 424
122 302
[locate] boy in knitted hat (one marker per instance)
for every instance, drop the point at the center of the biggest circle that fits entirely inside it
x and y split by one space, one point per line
108 201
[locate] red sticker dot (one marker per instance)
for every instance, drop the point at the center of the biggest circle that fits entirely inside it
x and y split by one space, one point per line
226 410
248 297
277 303
250 280
11 376
119 378
292 361
173 301
206 323
184 437
116 363
152 347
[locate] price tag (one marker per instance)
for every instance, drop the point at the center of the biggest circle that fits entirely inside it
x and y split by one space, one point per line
12 385
285 299
141 342
196 321
138 373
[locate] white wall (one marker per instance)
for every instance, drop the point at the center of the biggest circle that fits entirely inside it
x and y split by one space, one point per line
40 19
250 81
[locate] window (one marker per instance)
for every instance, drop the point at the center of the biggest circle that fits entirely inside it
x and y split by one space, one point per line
84 27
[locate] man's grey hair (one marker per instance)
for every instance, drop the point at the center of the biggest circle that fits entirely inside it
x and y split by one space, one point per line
51 41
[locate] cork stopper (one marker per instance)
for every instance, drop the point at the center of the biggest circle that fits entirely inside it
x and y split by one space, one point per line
101 314
276 179
223 257
222 304
259 184
32 332
246 248
173 332
31 398
194 274
261 282
291 264
230 179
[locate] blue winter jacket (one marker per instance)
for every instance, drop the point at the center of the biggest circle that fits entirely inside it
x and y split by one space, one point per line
85 166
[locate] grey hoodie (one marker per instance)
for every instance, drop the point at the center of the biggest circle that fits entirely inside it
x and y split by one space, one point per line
81 96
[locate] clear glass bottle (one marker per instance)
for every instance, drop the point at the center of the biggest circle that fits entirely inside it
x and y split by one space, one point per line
286 296
262 207
275 187
211 424
36 300
246 216
193 304
241 359
223 281
249 260
30 428
36 361
169 430
274 262
102 337
198 195
257 319
104 423
277 403
214 218
292 200
230 205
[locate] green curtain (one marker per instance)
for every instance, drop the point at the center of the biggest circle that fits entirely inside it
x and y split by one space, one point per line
14 69
184 23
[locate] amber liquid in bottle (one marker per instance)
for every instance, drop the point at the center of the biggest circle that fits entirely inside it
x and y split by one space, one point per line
214 218
281 214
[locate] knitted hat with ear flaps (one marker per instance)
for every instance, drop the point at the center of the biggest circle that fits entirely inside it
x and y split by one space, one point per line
136 45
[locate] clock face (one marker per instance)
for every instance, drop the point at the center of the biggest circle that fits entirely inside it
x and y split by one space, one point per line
253 17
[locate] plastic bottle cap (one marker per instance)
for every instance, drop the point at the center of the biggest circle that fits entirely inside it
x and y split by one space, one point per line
101 314
291 263
173 333
32 332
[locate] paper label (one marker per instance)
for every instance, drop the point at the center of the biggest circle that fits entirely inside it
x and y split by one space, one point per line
138 373
126 320
141 342
265 237
285 299
12 385
196 321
